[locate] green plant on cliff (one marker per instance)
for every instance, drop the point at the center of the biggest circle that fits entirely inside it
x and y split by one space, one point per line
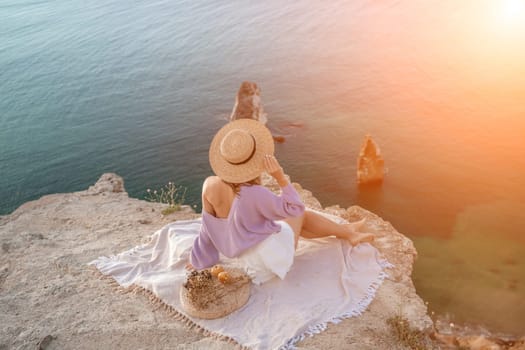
170 194
412 338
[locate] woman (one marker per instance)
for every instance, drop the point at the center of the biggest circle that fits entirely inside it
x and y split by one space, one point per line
244 220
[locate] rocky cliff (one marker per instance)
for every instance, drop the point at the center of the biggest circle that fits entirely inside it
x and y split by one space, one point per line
50 299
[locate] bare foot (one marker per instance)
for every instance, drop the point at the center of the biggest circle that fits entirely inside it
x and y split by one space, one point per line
361 237
356 237
357 225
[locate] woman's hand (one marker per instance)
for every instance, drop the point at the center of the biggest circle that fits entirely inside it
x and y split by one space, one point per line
272 167
189 267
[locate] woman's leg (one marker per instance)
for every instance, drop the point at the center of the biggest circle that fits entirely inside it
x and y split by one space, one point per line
315 225
296 223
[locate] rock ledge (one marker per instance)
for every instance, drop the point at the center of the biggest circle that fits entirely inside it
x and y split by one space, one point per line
50 298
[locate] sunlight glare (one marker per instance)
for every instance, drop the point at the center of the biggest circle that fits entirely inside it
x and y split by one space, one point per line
513 11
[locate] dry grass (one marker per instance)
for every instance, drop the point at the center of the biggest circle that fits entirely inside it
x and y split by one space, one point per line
170 210
170 194
408 336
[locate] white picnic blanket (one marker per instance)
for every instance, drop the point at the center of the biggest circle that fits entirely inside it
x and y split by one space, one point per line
329 280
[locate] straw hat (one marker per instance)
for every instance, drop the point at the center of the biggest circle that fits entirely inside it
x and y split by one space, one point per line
237 150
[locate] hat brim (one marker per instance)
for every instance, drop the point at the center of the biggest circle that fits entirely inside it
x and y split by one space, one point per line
255 166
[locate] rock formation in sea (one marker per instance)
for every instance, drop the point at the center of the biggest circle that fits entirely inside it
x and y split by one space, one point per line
48 294
370 163
248 105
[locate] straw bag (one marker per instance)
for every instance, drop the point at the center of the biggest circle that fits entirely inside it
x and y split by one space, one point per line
204 296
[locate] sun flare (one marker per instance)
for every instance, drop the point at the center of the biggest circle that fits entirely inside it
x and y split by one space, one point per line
513 11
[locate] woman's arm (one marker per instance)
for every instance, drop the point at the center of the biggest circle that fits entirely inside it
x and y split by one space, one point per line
275 170
203 254
274 207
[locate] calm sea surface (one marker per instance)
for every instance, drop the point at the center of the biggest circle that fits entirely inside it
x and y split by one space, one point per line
139 88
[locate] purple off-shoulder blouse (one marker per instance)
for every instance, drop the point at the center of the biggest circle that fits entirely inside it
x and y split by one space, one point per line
250 221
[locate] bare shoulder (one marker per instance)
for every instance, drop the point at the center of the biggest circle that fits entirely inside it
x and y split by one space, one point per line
213 182
217 196
214 185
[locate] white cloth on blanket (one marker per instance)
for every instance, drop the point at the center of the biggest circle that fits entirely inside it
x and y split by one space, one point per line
328 281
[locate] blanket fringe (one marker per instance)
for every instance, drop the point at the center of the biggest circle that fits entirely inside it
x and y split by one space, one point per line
159 304
109 280
361 307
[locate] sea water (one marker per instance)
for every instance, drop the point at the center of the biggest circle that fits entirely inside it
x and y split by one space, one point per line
140 87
